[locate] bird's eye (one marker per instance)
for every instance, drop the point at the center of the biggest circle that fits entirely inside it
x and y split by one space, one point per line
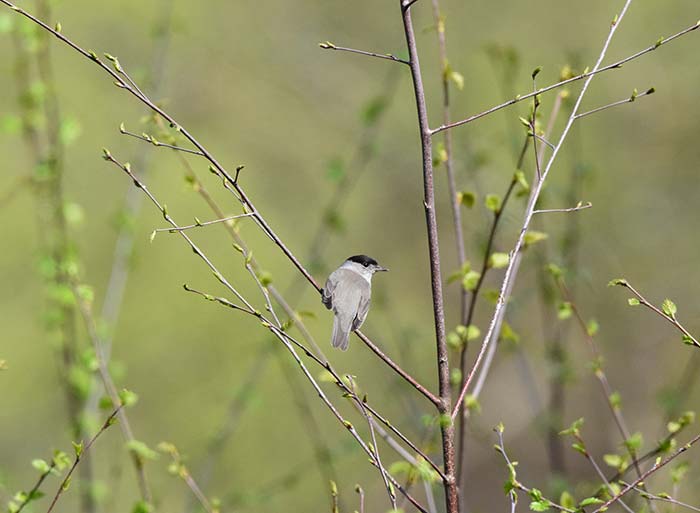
366 264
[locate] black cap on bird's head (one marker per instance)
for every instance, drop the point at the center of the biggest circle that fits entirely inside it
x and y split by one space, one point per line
366 261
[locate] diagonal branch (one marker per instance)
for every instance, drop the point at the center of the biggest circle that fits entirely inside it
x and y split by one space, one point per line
582 76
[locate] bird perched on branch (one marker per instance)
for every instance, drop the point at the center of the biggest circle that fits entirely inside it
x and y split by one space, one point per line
348 292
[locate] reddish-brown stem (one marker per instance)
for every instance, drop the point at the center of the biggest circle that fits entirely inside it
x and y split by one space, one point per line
445 405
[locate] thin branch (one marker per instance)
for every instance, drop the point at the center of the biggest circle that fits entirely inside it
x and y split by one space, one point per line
330 46
656 467
664 498
183 473
370 423
615 104
580 206
155 142
81 451
361 493
200 224
449 161
510 275
30 495
671 317
582 76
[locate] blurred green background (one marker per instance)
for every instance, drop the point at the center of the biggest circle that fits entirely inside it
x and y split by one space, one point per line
248 79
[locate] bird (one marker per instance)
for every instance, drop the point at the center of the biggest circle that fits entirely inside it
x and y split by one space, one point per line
348 291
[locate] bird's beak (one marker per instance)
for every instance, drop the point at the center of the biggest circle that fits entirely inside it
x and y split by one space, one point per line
380 268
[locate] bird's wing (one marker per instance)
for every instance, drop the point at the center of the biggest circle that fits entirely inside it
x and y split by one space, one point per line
327 291
361 315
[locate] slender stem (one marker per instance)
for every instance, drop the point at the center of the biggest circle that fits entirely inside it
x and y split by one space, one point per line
615 104
583 206
375 447
449 162
155 142
330 46
447 428
198 224
666 498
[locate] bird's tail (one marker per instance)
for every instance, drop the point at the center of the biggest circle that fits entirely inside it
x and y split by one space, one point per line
340 335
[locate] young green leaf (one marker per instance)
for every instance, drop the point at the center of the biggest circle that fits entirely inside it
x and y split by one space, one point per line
493 203
669 308
498 260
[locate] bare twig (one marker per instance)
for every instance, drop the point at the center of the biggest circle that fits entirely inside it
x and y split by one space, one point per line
375 447
330 46
155 142
615 104
361 493
449 160
664 498
200 224
580 206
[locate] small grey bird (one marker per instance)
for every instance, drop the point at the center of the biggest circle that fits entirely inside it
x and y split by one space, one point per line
347 292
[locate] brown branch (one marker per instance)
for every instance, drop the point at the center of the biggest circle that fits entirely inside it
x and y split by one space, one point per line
581 206
330 46
615 104
447 428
